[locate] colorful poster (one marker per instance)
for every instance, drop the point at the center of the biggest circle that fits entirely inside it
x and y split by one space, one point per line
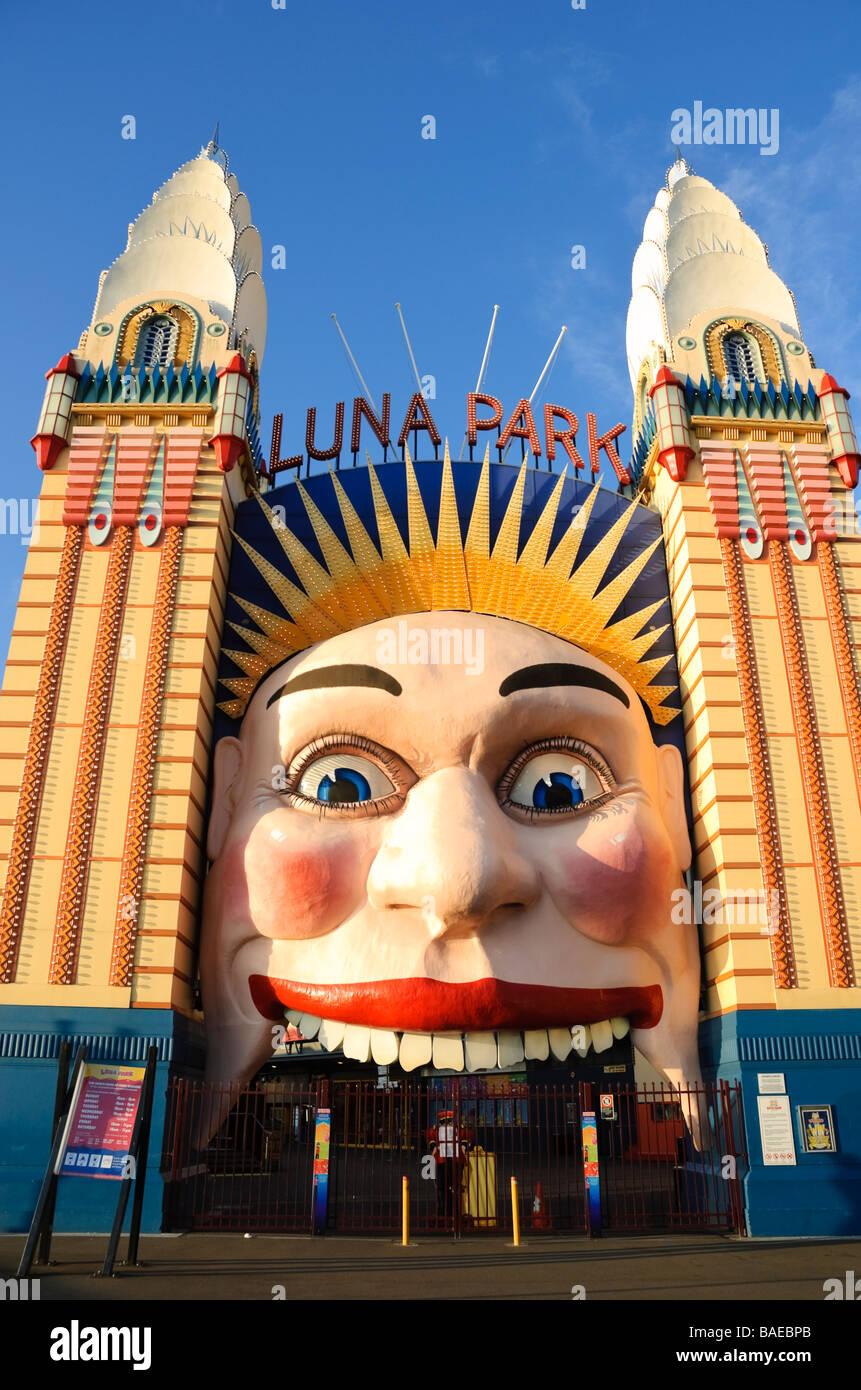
590 1169
101 1121
320 1197
817 1129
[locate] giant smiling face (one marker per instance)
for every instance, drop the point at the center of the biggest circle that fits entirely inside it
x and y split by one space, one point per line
447 863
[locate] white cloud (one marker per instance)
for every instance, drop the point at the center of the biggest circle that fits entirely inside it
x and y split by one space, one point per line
488 65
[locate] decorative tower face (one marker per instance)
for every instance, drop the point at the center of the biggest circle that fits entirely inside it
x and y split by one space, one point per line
478 867
764 561
108 702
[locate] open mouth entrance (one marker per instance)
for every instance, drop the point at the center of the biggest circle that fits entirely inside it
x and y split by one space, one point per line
475 1026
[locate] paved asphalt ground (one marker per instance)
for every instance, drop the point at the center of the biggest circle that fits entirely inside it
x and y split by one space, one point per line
653 1268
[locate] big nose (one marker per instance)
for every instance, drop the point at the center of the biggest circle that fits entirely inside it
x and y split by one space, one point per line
452 855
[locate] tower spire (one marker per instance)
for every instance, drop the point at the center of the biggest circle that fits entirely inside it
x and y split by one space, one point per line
679 166
699 260
195 240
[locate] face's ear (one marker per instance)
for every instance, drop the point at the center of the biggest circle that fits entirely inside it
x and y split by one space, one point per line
671 781
226 769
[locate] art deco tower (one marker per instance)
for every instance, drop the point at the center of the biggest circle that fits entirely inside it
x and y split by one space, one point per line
147 441
746 449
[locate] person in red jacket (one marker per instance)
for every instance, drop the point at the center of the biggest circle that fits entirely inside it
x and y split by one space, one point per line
449 1147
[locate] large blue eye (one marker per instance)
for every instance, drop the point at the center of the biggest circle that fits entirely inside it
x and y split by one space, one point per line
346 785
344 779
561 790
555 781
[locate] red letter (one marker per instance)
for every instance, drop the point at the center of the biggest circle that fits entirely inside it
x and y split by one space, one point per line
278 465
606 442
567 438
380 427
412 422
339 434
473 424
525 431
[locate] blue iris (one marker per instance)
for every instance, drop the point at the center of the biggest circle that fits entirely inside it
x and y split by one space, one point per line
562 791
346 785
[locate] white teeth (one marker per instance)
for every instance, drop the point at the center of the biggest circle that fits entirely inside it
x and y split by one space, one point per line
357 1042
384 1047
536 1048
416 1049
293 1016
507 1047
560 1042
448 1053
480 1051
331 1034
510 1046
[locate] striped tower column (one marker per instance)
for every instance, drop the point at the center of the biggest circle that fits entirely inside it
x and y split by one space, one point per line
38 749
137 825
737 951
766 468
765 808
76 864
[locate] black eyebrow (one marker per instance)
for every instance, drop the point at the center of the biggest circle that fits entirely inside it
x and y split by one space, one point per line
561 673
327 676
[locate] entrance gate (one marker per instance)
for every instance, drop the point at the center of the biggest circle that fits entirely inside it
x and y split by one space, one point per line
459 1140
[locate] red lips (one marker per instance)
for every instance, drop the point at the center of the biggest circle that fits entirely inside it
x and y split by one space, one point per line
432 1006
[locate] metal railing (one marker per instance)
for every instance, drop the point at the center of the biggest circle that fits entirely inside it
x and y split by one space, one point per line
244 1158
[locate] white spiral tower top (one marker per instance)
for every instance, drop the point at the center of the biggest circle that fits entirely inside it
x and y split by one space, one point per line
196 239
697 255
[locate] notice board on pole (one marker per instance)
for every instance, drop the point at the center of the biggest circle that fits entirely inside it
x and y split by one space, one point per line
101 1120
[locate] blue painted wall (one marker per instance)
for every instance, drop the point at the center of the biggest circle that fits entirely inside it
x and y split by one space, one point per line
29 1046
819 1053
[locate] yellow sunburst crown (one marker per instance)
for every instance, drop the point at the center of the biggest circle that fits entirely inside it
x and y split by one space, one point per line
551 592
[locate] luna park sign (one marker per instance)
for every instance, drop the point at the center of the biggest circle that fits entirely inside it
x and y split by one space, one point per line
560 427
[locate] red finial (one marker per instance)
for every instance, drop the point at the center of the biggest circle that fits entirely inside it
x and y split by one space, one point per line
664 378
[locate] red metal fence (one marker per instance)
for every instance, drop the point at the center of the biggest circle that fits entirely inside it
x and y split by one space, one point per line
459 1141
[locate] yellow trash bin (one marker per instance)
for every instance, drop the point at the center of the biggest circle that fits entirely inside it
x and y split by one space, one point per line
479 1187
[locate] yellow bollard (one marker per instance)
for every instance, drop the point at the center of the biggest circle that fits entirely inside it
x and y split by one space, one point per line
405 1231
515 1211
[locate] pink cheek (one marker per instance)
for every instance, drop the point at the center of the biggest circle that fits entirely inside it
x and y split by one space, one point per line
292 893
228 881
612 881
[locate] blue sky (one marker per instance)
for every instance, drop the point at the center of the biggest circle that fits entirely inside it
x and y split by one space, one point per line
552 129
